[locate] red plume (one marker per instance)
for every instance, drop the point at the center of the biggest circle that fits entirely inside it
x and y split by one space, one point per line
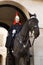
16 13
14 20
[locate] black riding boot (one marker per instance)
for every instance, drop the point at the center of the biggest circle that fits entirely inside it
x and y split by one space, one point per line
10 60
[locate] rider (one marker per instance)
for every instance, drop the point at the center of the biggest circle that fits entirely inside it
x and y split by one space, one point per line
14 29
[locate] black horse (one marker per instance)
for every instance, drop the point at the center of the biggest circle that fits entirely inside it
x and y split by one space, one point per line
21 46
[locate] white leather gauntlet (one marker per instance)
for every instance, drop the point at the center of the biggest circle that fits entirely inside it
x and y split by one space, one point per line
13 32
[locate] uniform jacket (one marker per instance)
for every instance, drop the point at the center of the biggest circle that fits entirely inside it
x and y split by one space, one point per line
10 38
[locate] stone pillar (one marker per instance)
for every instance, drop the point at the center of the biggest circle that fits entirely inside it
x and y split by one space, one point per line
3 50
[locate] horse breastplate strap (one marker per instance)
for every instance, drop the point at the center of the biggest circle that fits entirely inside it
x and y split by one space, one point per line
21 43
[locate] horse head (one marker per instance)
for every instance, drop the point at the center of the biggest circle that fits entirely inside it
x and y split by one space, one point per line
33 29
33 26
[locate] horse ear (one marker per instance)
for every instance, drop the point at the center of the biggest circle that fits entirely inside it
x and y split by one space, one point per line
32 15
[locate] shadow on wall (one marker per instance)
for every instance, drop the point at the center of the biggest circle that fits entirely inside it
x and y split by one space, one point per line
4 25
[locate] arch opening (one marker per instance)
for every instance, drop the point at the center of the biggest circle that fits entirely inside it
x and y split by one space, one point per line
8 12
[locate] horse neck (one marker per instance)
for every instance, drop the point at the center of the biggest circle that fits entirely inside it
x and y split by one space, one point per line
24 30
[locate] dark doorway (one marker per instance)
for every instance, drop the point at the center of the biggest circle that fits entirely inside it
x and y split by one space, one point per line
7 14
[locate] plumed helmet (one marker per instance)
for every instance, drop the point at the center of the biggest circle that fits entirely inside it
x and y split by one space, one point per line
17 16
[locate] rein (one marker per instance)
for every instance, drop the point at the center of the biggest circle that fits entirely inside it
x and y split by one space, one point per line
33 42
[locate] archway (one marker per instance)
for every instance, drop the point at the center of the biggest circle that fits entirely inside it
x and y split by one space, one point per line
8 10
7 14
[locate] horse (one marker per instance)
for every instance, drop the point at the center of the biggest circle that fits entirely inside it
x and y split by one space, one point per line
22 43
20 53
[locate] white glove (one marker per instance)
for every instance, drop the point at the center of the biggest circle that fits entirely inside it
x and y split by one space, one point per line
13 32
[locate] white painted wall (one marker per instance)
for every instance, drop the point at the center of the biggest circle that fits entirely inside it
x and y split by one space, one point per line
38 49
3 50
38 9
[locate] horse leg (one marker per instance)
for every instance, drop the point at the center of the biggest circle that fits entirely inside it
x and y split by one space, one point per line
28 58
16 60
10 60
